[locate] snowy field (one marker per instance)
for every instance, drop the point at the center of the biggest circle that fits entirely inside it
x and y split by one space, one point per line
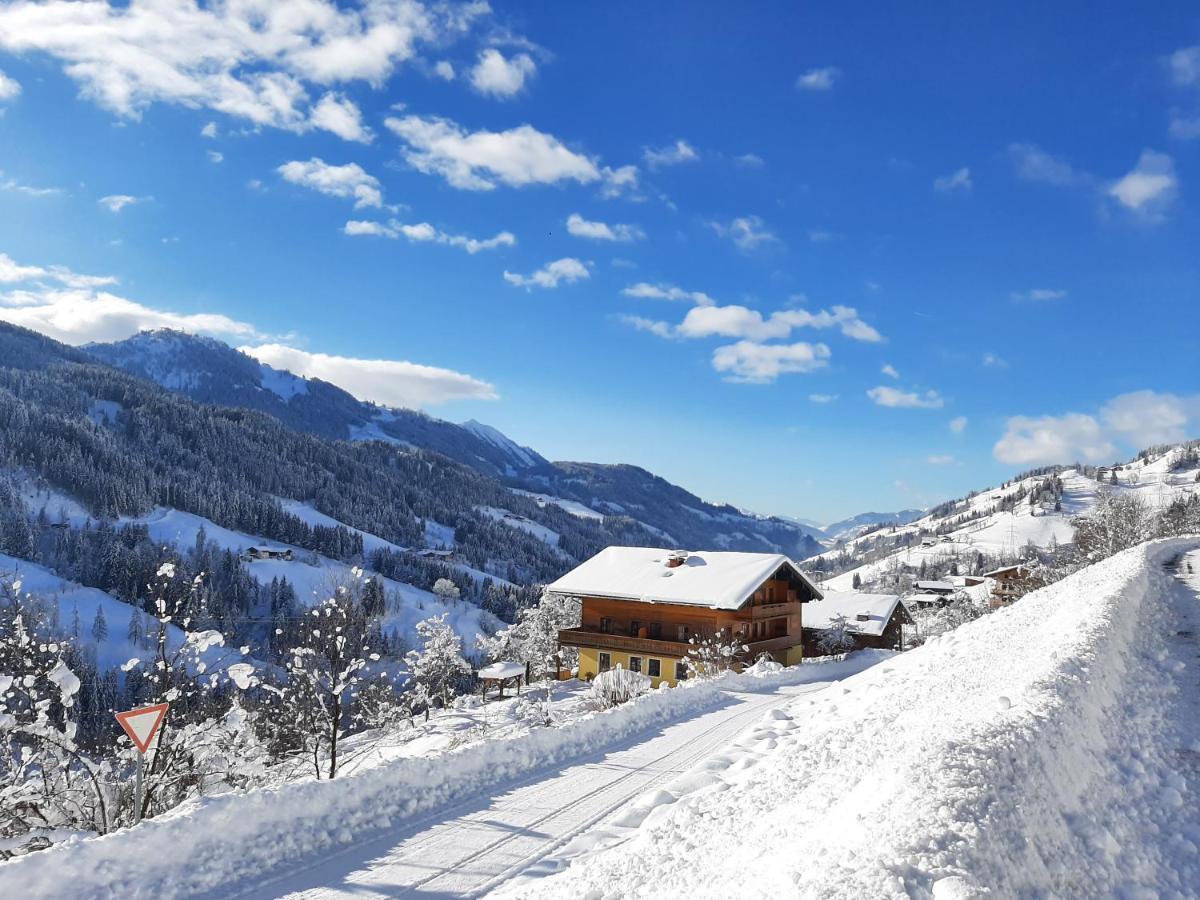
1049 750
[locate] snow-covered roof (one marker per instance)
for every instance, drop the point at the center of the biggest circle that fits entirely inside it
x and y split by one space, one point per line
877 607
927 598
714 579
503 669
933 585
1002 570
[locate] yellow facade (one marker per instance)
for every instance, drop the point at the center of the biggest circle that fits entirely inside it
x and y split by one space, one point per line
589 664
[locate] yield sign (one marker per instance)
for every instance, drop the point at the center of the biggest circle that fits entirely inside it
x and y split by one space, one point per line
142 724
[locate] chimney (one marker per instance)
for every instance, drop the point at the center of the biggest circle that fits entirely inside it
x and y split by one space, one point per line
676 558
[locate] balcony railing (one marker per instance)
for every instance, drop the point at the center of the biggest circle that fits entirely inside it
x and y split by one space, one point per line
773 610
587 637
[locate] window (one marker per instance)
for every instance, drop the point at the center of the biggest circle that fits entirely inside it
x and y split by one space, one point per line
656 630
654 668
683 633
680 671
605 662
635 664
606 625
634 627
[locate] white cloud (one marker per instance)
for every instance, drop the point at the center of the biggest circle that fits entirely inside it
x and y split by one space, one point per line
209 130
496 76
958 424
670 155
619 181
10 88
955 181
339 115
1184 127
114 203
821 79
647 291
755 363
1185 66
16 187
1053 439
249 60
653 326
750 161
743 322
386 381
890 371
423 232
479 160
1035 164
822 398
568 270
1143 418
578 226
748 232
1150 188
444 70
215 156
941 459
349 180
885 395
1039 295
992 361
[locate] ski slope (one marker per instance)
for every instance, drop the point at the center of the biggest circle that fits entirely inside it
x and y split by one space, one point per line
1051 749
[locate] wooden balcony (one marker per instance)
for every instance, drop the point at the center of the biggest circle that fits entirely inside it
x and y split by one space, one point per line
587 637
775 610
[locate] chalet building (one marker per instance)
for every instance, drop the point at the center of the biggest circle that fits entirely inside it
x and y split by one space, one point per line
1007 583
270 553
934 587
642 607
875 620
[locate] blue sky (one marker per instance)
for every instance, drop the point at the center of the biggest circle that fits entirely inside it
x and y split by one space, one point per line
689 237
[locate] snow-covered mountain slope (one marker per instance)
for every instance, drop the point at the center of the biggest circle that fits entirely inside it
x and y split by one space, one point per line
854 525
213 372
1043 751
1000 523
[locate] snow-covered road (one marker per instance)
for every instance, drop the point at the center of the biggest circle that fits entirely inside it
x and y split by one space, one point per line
471 847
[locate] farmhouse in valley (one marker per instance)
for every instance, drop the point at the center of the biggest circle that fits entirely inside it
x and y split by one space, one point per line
1007 583
873 620
642 607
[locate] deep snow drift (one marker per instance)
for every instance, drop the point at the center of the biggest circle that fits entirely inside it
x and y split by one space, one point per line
1050 749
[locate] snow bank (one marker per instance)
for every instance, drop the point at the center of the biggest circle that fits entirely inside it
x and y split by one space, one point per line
242 836
1034 752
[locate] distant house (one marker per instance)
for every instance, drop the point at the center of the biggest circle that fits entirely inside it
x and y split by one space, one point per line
433 553
929 542
934 587
928 601
1007 583
875 620
280 553
642 607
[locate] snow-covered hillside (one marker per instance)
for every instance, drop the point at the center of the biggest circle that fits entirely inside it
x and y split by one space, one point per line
1001 522
1046 750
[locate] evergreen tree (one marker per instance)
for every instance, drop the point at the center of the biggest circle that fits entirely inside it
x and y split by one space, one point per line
99 625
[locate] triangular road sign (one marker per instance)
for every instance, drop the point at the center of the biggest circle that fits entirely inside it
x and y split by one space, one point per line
142 724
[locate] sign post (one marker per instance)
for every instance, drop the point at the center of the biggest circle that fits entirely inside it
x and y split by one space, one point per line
142 726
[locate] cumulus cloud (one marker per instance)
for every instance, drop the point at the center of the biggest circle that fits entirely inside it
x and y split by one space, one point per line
348 181
386 381
959 180
652 326
215 156
568 270
1135 420
1149 189
209 130
12 272
114 203
498 76
1184 65
480 160
10 88
822 398
884 395
747 232
423 232
890 371
958 424
580 227
251 61
743 322
444 70
647 291
755 363
992 361
1035 164
670 155
336 114
821 79
16 187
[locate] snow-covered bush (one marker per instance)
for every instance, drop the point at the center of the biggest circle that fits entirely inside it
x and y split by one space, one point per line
838 637
617 686
438 667
710 656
